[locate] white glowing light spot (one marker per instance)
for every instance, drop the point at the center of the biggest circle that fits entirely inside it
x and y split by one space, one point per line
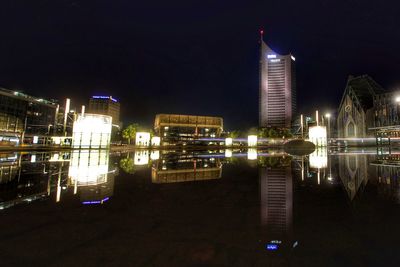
228 141
317 135
252 140
92 131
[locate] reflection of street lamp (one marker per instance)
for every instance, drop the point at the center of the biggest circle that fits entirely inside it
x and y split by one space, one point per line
328 116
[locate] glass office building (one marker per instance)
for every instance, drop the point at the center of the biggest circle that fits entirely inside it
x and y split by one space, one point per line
20 112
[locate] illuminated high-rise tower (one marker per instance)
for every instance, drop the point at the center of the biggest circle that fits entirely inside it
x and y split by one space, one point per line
277 93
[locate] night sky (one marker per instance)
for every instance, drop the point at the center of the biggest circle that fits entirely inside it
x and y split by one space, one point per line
193 57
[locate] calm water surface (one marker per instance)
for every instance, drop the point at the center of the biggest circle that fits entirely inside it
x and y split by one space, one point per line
209 208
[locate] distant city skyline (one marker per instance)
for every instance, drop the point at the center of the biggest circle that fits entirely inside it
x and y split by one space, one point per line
193 59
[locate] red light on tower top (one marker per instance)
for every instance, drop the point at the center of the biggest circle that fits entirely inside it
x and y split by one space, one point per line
261 34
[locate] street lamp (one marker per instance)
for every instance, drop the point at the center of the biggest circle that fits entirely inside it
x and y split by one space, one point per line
328 116
397 100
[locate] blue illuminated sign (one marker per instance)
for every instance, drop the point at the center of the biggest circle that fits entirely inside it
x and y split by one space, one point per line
95 201
104 97
271 246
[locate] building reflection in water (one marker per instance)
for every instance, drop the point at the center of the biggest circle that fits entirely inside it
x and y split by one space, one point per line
387 168
319 161
353 172
141 157
228 153
252 154
155 154
90 176
174 168
28 177
276 197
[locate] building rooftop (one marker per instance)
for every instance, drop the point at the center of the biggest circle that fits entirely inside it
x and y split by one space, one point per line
180 119
26 97
104 97
364 88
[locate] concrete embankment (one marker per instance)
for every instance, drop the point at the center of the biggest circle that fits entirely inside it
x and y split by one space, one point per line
33 148
191 148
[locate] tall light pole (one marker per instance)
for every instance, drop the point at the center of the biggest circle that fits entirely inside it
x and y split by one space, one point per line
328 116
56 120
397 100
301 125
66 111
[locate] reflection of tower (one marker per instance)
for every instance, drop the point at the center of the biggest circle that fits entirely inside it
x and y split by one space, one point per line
89 175
353 171
276 190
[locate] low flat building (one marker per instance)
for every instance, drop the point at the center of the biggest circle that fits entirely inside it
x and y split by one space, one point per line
186 129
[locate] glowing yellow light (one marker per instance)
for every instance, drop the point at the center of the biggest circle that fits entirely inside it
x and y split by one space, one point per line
228 141
155 141
35 139
141 157
252 154
252 140
155 154
88 167
142 139
319 158
228 153
92 131
317 135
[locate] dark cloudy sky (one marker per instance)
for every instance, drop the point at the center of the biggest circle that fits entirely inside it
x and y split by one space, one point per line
193 57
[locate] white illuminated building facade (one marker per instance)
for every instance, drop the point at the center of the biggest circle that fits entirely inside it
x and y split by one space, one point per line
252 140
142 139
317 135
277 92
92 131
